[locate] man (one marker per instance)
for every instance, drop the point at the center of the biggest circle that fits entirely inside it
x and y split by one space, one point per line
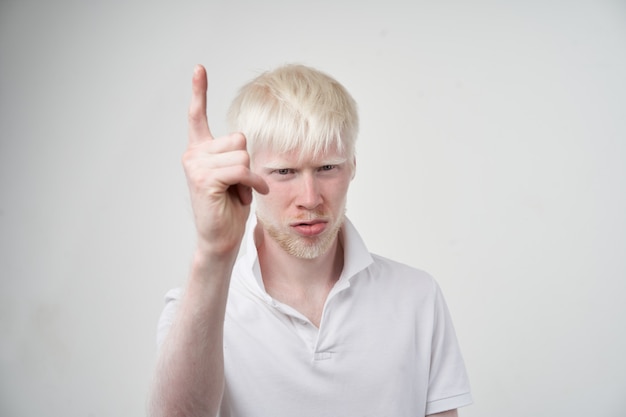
307 322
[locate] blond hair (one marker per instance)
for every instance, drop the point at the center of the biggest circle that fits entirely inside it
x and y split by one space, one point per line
299 108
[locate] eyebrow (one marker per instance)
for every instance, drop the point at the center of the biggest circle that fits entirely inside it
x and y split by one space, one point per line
280 164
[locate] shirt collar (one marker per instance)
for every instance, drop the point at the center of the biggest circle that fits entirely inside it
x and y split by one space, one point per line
356 255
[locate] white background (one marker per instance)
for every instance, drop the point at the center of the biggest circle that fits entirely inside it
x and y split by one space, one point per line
492 154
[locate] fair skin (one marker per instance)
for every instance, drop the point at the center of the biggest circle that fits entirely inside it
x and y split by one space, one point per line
305 208
190 371
301 199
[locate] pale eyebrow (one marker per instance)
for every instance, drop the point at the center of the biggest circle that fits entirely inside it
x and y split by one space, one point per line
274 165
281 164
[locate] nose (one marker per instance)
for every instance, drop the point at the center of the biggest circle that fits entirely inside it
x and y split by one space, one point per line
309 196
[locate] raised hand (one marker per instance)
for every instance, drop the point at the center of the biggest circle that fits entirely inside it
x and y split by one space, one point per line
219 178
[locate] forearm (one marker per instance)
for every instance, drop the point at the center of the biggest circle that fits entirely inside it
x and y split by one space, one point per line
190 370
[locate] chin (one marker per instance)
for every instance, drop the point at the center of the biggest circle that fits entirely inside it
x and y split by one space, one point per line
303 247
304 250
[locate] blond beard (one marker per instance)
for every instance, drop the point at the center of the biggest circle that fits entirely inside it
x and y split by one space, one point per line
303 247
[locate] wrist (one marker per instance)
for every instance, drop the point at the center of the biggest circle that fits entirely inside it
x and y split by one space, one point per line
211 268
219 250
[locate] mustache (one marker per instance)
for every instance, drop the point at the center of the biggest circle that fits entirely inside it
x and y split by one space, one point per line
310 216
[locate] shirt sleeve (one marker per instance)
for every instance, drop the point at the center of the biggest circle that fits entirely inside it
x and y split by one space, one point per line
449 386
167 315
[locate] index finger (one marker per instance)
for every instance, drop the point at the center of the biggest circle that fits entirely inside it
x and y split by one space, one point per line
198 124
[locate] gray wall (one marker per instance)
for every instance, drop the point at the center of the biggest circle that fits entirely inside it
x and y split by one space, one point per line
492 154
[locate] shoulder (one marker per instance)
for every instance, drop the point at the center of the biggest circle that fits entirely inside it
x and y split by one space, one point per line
173 295
392 269
400 277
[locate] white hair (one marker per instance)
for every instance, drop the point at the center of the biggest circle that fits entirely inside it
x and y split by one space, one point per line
295 107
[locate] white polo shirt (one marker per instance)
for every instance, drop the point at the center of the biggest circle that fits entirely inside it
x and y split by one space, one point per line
386 345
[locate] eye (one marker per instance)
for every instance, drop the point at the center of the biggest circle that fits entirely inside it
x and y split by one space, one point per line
283 171
327 167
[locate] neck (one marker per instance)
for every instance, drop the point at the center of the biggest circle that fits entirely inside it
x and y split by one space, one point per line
301 283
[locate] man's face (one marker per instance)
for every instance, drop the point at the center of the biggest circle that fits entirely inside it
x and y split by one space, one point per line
305 207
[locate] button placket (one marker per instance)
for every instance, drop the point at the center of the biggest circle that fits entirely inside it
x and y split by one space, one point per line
320 347
306 331
300 325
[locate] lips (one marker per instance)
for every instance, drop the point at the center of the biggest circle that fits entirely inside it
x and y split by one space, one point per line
310 228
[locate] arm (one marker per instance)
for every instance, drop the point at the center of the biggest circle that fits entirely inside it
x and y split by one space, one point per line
189 378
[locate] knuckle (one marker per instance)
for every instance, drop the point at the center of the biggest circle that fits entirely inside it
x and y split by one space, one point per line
239 140
244 158
193 116
187 158
198 180
241 171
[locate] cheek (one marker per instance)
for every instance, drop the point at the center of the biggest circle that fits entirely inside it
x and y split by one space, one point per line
343 184
338 192
276 195
270 201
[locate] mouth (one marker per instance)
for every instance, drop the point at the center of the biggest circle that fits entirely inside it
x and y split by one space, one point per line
308 222
309 228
